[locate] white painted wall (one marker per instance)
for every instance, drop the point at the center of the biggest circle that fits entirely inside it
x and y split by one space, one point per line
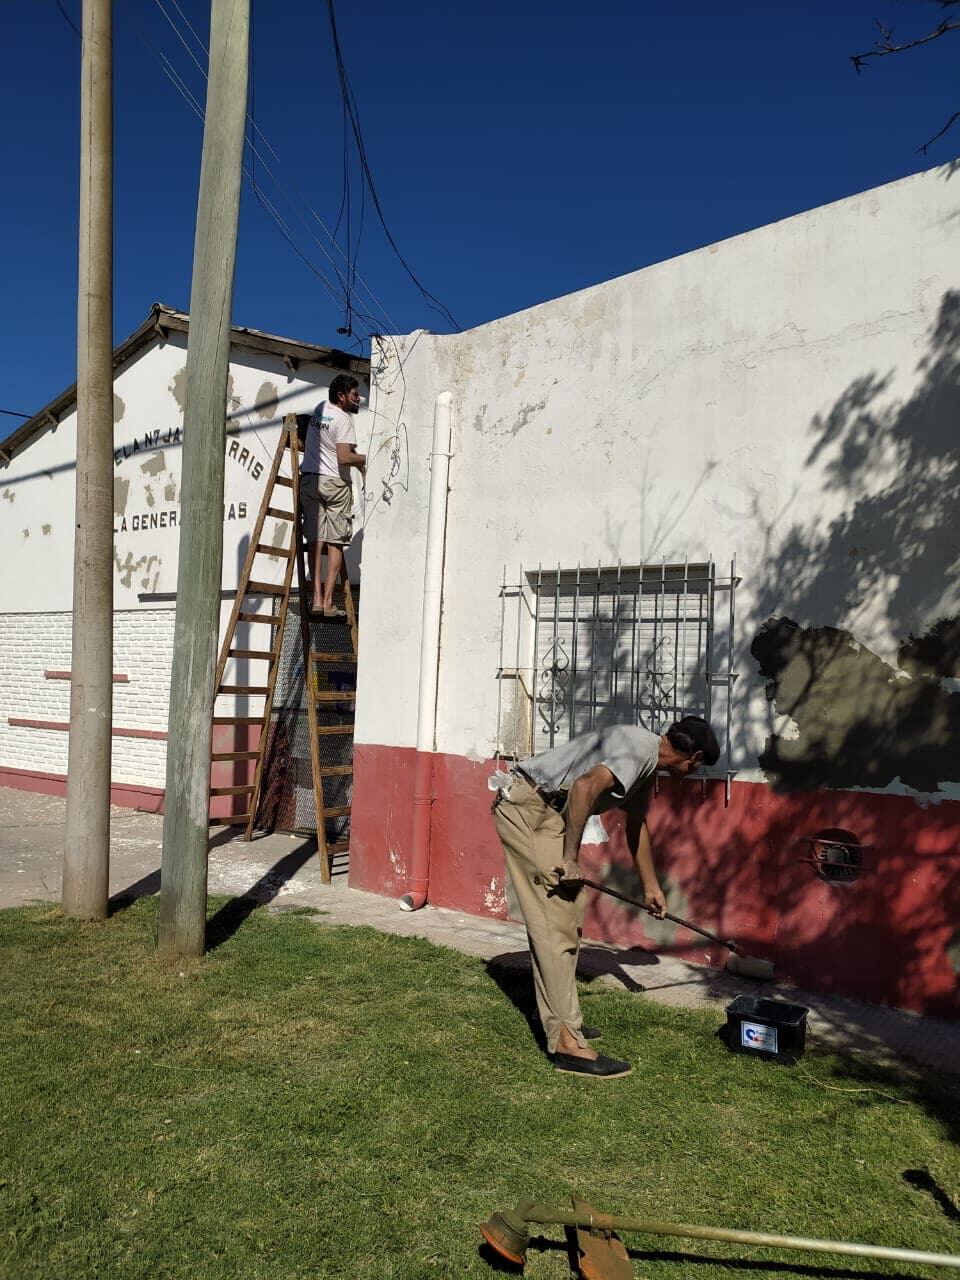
684 410
37 488
36 533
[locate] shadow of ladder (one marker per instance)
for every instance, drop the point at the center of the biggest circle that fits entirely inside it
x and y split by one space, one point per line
251 590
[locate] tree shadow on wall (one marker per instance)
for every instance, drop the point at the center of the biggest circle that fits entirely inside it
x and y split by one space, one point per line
842 717
893 550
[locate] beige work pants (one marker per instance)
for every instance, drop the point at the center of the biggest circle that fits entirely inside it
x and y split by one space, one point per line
532 837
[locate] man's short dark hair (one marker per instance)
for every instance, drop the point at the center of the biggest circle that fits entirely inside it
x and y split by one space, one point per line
342 385
691 734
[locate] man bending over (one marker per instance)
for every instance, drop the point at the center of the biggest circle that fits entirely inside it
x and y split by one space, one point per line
540 812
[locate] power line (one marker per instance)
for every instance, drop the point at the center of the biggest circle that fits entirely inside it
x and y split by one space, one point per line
352 274
69 21
351 108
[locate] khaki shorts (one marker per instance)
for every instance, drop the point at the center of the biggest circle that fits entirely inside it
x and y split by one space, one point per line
327 504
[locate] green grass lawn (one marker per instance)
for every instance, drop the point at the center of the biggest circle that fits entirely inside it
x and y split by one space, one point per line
318 1101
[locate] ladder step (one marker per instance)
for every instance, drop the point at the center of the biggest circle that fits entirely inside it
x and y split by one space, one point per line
261 689
335 697
285 481
279 514
347 659
264 589
234 820
233 755
324 729
270 619
336 811
231 791
267 655
239 720
341 846
264 549
336 770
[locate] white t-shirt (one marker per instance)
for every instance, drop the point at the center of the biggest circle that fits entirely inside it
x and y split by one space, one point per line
328 427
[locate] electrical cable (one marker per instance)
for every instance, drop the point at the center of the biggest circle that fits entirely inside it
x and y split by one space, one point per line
350 103
353 274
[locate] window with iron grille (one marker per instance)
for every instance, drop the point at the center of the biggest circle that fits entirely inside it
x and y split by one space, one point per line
582 648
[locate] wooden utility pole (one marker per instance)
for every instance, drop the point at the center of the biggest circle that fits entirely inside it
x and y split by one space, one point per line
183 884
86 863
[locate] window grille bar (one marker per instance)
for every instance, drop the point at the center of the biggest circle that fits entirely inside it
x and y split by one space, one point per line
634 636
573 655
709 665
683 645
733 587
503 619
657 629
615 643
535 682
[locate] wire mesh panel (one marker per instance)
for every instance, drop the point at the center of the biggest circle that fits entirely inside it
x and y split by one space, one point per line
287 800
587 647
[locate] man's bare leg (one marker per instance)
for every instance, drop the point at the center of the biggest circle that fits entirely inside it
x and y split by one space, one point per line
334 565
315 556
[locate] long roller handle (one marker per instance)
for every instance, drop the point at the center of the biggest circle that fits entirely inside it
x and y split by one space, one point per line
705 933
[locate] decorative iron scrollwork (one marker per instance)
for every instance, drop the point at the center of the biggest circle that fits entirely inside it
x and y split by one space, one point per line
552 694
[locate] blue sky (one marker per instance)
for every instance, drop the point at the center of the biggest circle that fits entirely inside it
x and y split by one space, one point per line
522 149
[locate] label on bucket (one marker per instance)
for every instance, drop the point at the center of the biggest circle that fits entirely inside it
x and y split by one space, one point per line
757 1035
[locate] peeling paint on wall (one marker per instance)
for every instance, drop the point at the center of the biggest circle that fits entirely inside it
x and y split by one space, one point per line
121 491
8 495
526 413
233 400
267 401
26 533
45 530
119 408
861 721
178 388
154 465
147 566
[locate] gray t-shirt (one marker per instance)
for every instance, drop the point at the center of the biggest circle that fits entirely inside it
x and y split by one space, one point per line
629 752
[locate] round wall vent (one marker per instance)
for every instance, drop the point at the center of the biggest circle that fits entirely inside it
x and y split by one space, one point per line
837 855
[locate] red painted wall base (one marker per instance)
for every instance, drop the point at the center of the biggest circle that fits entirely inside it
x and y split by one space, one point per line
126 795
891 935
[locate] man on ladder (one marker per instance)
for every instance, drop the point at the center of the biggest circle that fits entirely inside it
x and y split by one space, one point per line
326 492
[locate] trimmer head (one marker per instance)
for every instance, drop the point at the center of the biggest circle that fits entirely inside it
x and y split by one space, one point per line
507 1234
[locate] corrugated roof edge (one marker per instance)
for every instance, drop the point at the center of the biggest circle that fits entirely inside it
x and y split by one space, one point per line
162 320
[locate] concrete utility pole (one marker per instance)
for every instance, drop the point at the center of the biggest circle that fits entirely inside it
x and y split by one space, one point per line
86 864
183 884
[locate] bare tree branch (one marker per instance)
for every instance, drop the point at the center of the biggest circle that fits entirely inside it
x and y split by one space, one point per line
937 136
885 44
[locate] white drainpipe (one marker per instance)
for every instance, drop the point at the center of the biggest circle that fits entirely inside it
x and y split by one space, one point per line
430 655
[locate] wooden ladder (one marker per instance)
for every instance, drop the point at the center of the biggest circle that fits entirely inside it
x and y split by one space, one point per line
329 711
